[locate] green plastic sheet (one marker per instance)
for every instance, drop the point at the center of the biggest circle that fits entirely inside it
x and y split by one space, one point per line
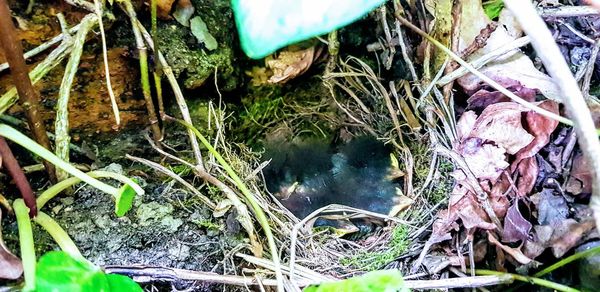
267 25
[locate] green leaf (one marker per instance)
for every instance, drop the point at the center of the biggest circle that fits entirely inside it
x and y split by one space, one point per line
200 31
57 271
265 26
492 8
119 283
124 200
384 280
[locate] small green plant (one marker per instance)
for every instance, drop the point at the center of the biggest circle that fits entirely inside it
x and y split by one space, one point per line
371 261
493 8
384 280
58 271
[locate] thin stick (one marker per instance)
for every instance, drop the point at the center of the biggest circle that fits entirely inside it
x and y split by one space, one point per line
589 71
113 101
479 62
568 11
557 67
28 96
483 77
180 99
61 125
55 40
174 176
54 58
143 52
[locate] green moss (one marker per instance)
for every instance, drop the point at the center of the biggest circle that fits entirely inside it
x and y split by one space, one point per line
208 224
370 261
191 60
298 106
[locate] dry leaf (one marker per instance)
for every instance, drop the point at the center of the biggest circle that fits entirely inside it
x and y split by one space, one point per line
514 252
580 179
528 172
541 128
485 161
501 123
505 70
552 209
486 97
465 124
465 205
163 8
516 228
287 65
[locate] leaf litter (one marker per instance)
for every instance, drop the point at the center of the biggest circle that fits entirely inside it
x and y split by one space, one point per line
519 158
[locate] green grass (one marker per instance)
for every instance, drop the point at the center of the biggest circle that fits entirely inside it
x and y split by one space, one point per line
370 261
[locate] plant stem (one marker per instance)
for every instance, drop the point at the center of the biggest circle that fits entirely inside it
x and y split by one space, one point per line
99 9
143 54
565 261
12 166
26 244
58 234
531 280
54 58
258 211
28 97
54 190
61 125
30 145
179 98
157 72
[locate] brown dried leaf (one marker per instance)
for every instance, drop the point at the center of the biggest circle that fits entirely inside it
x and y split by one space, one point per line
465 124
512 66
568 234
288 65
516 228
484 97
485 161
528 172
501 123
580 179
163 8
541 128
470 212
514 252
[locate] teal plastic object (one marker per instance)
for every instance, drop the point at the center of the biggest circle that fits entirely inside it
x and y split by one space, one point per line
267 25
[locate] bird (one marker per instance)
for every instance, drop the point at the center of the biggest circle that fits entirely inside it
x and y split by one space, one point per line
309 174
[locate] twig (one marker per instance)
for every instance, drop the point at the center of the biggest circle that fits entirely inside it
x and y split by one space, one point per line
589 71
174 176
54 58
143 53
113 101
541 282
479 62
152 274
55 40
388 38
555 64
567 11
12 166
61 126
483 77
180 99
28 96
